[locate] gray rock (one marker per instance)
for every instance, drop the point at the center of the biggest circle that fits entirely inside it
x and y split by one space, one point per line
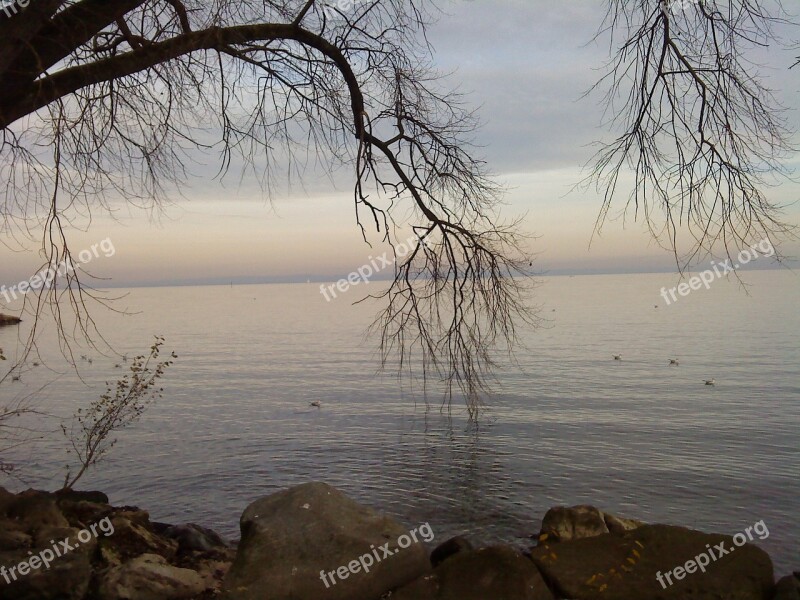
496 572
625 567
449 548
290 538
149 577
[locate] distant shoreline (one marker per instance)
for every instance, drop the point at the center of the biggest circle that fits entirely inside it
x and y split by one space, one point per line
318 279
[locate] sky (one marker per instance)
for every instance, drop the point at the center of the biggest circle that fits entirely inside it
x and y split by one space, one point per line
524 65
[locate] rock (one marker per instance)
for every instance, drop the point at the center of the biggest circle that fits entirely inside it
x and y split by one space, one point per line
6 500
202 550
149 577
36 510
562 523
67 577
291 538
212 571
194 538
13 535
625 567
33 522
449 548
82 514
619 524
77 496
787 588
489 573
133 536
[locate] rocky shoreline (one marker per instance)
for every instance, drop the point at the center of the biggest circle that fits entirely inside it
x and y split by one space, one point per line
313 542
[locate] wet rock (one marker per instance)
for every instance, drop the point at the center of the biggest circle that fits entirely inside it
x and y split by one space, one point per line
626 566
449 548
289 538
494 572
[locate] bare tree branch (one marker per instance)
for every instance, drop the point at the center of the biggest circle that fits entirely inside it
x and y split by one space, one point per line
702 137
119 90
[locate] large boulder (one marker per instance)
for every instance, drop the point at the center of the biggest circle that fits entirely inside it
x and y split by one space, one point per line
652 562
562 523
312 541
494 572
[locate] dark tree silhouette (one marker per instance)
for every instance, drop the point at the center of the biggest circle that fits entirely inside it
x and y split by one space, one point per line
117 92
700 135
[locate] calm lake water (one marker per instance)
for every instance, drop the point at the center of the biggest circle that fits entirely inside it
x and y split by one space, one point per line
568 425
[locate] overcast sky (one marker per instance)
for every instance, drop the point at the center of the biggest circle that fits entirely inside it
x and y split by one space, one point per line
524 64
